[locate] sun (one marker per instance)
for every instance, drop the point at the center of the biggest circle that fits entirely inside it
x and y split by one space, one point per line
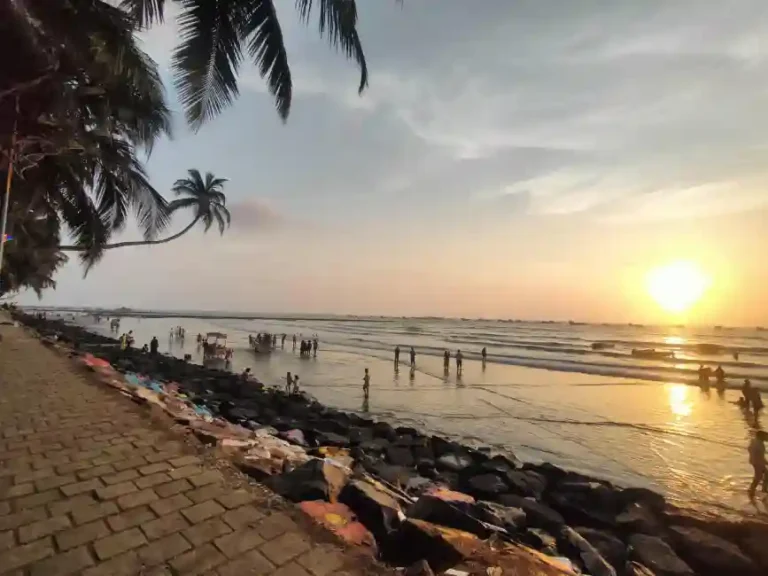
677 286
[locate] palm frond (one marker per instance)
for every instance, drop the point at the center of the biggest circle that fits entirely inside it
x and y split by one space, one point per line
145 12
207 60
339 19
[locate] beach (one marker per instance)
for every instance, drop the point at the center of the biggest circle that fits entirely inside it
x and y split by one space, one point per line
665 435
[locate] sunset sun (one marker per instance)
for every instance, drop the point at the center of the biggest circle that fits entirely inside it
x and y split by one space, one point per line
677 286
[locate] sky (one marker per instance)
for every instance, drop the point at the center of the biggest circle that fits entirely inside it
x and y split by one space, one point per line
532 159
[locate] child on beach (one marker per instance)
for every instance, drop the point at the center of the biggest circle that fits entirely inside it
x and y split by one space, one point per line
459 361
757 460
366 384
296 384
288 383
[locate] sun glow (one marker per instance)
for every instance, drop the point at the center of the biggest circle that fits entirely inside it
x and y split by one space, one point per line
677 286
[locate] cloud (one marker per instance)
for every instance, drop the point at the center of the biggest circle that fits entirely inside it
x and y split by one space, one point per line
255 216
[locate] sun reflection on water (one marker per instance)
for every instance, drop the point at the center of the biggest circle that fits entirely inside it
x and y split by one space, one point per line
679 402
674 340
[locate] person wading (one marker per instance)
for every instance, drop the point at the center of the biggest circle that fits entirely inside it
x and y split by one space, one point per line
757 460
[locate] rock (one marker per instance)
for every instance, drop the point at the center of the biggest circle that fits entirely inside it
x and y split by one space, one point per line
452 514
710 555
552 473
511 519
360 435
573 544
526 483
424 456
651 499
755 546
448 479
658 556
397 475
375 446
589 504
340 520
486 486
400 456
375 507
538 515
441 446
450 495
417 484
610 547
384 430
454 462
295 436
638 518
419 568
500 464
540 540
313 480
329 439
635 569
441 547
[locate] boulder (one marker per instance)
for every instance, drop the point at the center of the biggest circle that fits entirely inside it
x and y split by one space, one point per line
511 519
359 435
638 518
397 475
575 546
710 555
454 462
400 456
384 430
540 540
441 547
375 446
419 568
295 436
314 480
376 507
609 546
323 438
486 486
340 520
445 513
589 504
653 500
526 483
499 464
635 569
424 456
658 556
755 546
538 515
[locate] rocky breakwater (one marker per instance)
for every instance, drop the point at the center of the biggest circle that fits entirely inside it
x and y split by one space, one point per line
424 501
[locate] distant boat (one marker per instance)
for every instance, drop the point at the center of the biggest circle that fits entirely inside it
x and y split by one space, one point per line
572 323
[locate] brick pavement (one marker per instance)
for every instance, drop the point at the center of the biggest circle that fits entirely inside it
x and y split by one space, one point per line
88 485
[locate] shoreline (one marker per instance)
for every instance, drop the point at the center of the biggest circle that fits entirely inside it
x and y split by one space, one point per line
549 498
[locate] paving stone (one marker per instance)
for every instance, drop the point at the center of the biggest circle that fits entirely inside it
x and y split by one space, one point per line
70 504
251 564
126 564
116 490
81 487
205 493
118 543
160 456
285 548
90 513
35 500
184 461
235 499
207 477
33 476
163 549
5 508
202 511
95 471
198 560
232 545
55 482
206 531
322 560
164 525
119 477
132 462
26 554
71 562
7 540
185 472
292 569
137 499
172 488
168 505
18 490
152 480
274 525
130 518
42 528
81 535
243 516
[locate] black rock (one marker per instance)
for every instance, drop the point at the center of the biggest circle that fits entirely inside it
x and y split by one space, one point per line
526 483
577 547
375 446
397 475
378 510
710 555
511 519
440 512
657 555
610 547
329 439
420 540
384 430
486 486
653 500
454 462
400 456
538 515
638 518
360 435
313 480
588 504
540 540
499 464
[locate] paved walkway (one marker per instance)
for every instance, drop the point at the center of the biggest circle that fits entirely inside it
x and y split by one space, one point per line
91 484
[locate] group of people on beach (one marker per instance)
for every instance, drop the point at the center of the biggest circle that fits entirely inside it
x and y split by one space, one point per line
307 348
446 360
179 333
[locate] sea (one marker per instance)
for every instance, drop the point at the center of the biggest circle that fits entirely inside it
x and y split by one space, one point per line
545 393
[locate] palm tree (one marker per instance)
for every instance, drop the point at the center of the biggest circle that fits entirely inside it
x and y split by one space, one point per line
215 33
205 197
78 102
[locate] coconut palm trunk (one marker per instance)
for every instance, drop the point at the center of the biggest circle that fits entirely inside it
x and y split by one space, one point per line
189 227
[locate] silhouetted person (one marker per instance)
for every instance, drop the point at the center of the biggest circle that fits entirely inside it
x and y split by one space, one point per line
484 354
366 384
296 384
282 342
294 342
736 356
413 358
154 345
446 361
459 361
746 395
397 356
288 383
757 460
314 346
704 377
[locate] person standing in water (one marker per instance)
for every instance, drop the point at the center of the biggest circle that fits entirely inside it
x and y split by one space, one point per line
288 383
484 354
294 342
282 342
153 345
757 460
413 359
366 384
296 384
459 361
397 356
314 346
446 361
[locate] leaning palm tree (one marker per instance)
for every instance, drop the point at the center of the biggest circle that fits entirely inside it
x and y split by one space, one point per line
205 197
215 33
